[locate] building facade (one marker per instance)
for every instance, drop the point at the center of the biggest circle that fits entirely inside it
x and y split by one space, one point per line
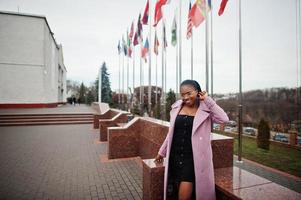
32 70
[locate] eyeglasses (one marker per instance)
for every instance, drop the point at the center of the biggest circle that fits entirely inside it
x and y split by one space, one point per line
188 93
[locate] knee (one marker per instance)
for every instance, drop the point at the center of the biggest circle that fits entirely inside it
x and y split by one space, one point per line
184 197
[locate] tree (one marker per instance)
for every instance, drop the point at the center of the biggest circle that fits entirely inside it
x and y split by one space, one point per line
106 92
263 137
90 97
170 99
82 93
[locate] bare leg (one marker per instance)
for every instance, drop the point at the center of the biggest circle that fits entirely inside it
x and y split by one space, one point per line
185 190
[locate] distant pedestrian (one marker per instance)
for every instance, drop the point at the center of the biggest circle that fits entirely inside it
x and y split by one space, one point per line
73 101
78 101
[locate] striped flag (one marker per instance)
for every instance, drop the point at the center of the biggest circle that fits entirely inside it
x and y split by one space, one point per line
145 49
189 24
145 15
197 13
222 7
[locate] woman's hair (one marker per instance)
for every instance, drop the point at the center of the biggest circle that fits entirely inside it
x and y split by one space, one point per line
192 83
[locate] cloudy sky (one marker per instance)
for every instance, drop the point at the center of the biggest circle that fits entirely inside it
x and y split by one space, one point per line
89 32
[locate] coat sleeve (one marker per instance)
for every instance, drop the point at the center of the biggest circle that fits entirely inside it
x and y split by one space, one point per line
163 148
218 115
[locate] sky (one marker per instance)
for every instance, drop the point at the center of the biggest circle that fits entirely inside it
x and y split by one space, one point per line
90 30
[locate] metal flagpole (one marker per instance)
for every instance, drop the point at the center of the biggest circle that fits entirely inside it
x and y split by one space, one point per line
177 65
119 99
191 53
133 92
122 96
240 91
211 46
99 85
163 92
207 46
156 98
150 64
180 43
127 84
141 95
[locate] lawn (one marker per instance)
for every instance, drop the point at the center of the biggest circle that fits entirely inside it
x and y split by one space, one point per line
278 157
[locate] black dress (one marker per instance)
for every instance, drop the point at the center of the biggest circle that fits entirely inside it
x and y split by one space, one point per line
181 167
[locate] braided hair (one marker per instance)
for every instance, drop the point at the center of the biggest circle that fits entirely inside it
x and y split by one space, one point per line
192 83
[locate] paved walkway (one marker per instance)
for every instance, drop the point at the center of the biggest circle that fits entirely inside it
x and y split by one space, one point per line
63 162
57 110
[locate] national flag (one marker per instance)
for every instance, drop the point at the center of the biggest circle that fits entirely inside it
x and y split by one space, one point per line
128 40
124 46
145 49
139 27
145 15
222 7
135 42
132 31
158 10
164 37
189 24
156 44
119 47
174 32
130 51
196 14
209 4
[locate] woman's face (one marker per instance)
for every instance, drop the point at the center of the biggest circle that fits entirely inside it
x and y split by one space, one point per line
189 95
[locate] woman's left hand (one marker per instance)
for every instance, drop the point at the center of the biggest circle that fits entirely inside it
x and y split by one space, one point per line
203 95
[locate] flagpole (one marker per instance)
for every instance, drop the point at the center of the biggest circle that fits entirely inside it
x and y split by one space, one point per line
149 64
177 67
207 46
127 84
240 91
162 93
156 97
119 80
211 45
180 42
133 92
141 96
122 96
191 54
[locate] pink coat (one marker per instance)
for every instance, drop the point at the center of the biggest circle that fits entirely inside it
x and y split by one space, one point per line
207 112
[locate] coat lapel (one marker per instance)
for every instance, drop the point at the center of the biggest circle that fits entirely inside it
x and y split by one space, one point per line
201 114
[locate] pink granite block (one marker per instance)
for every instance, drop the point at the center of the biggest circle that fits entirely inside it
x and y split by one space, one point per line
105 123
123 142
153 180
222 149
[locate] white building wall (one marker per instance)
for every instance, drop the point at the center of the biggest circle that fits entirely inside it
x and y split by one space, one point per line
29 62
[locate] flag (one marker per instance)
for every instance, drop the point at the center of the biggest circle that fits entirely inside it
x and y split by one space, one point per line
130 51
174 32
145 49
135 42
164 37
139 27
189 24
128 40
196 14
132 31
124 46
209 4
145 15
222 7
119 47
156 44
158 10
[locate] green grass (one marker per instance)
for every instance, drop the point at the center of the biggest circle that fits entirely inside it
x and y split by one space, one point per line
278 157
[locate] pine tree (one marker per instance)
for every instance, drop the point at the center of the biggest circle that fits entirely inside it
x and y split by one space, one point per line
263 137
82 93
170 99
106 92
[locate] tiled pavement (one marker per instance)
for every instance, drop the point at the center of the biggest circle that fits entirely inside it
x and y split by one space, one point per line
63 162
68 162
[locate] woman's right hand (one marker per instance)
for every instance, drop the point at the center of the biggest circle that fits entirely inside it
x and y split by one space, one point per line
158 158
